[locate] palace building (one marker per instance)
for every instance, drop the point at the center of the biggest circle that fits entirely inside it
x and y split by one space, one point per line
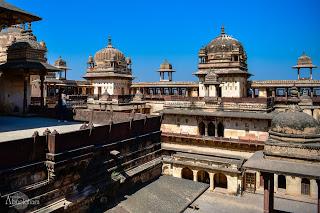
224 132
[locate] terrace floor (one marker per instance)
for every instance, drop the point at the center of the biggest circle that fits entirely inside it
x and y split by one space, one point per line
211 202
13 128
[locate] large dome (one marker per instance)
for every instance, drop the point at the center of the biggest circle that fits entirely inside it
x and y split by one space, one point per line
109 54
295 123
224 43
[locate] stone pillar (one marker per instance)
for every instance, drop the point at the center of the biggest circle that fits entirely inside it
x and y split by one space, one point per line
211 175
216 128
25 93
313 188
310 73
177 172
206 129
273 92
41 91
195 175
318 183
268 192
257 180
275 183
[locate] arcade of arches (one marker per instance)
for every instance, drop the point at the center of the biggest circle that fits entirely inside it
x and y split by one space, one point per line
229 182
211 129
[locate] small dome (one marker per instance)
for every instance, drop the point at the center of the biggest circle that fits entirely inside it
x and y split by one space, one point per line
165 65
60 62
304 61
109 54
224 43
295 122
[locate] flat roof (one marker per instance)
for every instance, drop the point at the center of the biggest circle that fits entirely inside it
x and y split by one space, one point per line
226 114
166 84
14 128
258 162
165 195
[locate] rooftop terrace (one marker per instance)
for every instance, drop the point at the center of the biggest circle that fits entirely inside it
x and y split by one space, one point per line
13 128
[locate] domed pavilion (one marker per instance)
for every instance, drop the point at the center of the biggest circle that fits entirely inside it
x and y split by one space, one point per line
224 56
109 71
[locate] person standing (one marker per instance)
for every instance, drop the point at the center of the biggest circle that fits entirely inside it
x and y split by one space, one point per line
62 106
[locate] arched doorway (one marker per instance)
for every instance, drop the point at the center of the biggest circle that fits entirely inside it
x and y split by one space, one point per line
202 128
220 130
282 182
220 180
211 129
203 177
187 173
305 186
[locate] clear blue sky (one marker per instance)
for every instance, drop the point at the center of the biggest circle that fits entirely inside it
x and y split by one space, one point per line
274 32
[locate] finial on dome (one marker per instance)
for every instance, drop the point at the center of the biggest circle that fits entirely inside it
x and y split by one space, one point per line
222 30
109 41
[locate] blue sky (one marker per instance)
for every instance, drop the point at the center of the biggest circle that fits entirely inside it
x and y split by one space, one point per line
274 33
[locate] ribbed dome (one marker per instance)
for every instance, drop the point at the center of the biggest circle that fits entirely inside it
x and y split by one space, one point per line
109 54
224 43
60 62
165 65
295 123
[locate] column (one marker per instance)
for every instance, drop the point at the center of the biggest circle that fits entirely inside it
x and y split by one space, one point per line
273 92
310 73
195 175
211 175
206 129
216 128
318 183
25 93
298 74
268 192
41 91
275 182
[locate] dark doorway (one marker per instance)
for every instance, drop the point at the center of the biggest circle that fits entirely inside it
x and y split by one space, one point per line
282 182
220 130
305 186
211 129
202 128
187 173
220 180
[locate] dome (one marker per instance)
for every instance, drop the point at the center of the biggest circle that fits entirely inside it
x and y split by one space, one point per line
109 54
304 61
224 43
295 122
165 65
60 63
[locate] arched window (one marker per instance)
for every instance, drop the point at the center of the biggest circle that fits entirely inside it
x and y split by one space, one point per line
282 182
220 180
220 130
211 129
187 173
305 186
202 128
203 177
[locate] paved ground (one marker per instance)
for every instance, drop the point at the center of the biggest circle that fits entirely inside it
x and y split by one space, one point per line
12 128
212 202
165 195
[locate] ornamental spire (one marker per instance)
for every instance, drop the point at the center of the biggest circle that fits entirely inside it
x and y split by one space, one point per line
109 41
222 30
